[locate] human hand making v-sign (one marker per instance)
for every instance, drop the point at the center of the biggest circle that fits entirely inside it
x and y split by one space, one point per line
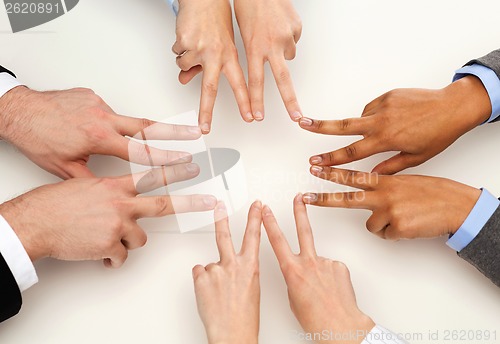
418 123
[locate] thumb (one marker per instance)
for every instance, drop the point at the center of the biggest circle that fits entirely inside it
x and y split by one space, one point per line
77 170
186 76
396 164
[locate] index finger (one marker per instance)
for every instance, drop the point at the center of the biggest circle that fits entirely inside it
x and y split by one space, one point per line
348 126
146 129
285 86
251 241
223 234
276 238
304 231
209 86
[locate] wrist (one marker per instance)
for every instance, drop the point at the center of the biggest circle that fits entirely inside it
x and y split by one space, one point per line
469 100
14 111
14 212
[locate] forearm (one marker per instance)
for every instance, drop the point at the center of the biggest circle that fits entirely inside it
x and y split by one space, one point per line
13 111
470 100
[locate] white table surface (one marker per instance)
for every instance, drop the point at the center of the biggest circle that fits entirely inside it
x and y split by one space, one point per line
350 53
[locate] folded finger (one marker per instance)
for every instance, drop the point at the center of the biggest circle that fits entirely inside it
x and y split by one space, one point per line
186 77
187 60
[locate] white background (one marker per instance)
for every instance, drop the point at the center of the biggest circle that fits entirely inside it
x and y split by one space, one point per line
350 53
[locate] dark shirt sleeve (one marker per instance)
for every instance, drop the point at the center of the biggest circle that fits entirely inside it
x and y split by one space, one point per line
10 295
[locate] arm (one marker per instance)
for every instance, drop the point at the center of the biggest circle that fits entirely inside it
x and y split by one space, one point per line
205 43
320 290
60 130
410 206
417 123
83 219
270 31
228 292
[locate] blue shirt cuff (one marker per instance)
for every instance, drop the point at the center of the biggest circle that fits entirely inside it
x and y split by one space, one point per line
175 6
490 82
484 208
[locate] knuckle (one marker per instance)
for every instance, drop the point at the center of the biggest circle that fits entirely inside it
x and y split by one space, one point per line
162 205
351 151
344 124
210 88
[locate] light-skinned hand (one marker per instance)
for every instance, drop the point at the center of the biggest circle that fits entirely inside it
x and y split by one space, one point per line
205 43
96 218
320 290
228 292
60 130
270 32
418 123
404 206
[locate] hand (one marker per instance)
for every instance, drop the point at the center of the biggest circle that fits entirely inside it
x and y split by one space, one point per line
418 123
59 130
96 218
320 290
270 32
205 42
404 207
228 292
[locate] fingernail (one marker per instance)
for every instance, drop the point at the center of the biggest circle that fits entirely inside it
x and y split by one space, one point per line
220 206
205 128
267 211
194 130
185 158
257 204
298 198
306 122
316 160
317 169
258 116
296 116
310 198
210 201
249 117
192 168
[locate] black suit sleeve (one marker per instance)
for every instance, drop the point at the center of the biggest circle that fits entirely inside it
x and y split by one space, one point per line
10 295
3 70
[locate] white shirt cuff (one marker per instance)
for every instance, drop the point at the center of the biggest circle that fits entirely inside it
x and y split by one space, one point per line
381 335
16 257
7 82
